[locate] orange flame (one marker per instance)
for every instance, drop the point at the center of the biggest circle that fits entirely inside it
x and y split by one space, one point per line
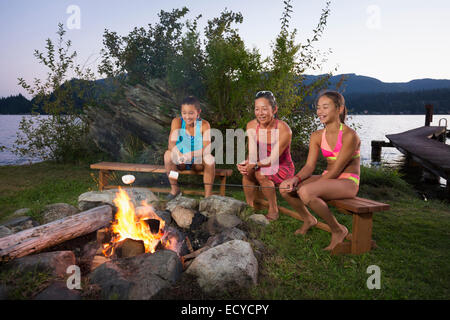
130 225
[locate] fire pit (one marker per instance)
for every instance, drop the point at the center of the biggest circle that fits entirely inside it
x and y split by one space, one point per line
138 230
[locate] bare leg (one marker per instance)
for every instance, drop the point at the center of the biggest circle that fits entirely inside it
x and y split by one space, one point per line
209 172
315 193
170 166
293 199
269 192
250 191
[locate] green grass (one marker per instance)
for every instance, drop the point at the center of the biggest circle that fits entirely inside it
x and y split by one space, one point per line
37 185
413 238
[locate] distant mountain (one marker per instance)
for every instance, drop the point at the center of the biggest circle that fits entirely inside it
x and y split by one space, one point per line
361 84
364 95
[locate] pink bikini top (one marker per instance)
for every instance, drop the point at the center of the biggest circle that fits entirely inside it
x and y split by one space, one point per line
332 154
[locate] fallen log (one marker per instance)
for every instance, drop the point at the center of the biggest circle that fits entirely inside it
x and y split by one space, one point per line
35 239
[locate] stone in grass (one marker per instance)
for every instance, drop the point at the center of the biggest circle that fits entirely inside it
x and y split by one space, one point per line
259 219
18 224
55 262
181 201
58 291
226 266
216 205
4 231
137 278
57 211
219 223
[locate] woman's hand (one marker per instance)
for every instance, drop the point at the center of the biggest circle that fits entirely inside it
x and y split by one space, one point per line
290 184
242 167
245 167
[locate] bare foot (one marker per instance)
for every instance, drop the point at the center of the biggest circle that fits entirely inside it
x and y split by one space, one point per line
272 216
337 238
306 226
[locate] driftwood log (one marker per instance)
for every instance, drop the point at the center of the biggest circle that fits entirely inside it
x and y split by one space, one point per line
31 240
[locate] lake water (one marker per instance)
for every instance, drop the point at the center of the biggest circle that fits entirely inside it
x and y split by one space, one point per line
371 127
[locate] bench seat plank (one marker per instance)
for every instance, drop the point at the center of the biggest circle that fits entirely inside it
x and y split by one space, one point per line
359 205
118 166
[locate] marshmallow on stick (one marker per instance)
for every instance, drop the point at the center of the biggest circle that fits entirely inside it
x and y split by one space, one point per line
128 179
173 175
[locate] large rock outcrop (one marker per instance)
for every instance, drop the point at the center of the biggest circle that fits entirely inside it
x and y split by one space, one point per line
142 112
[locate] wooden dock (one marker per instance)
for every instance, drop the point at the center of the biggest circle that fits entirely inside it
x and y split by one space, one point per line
423 146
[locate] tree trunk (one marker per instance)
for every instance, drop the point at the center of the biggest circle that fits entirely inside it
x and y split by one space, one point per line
31 240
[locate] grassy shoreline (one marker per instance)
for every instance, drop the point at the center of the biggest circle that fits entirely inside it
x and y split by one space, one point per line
413 238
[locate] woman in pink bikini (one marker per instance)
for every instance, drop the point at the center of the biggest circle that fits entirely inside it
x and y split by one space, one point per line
269 161
340 146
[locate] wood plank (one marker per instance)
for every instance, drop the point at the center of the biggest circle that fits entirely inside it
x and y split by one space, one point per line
35 239
359 205
118 166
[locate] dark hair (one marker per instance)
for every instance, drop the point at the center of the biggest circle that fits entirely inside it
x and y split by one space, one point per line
338 100
192 101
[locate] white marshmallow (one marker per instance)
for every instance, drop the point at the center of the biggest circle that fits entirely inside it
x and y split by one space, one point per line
173 175
128 179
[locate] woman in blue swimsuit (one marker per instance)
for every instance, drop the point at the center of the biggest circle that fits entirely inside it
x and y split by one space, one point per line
190 146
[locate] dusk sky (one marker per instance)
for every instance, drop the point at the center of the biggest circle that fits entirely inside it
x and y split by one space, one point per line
394 41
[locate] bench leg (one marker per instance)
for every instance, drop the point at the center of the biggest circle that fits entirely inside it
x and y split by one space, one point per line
223 181
361 233
103 179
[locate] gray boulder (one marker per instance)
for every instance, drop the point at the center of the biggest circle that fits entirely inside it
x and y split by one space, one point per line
57 211
139 277
218 223
226 235
4 231
183 216
92 199
180 201
216 205
226 266
56 263
58 291
259 219
18 224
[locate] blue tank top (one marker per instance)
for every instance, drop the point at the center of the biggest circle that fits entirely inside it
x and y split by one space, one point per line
187 143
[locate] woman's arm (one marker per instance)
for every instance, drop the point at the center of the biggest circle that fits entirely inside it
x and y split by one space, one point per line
313 154
307 170
349 145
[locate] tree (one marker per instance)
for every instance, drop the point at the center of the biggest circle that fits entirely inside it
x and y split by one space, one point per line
62 135
286 76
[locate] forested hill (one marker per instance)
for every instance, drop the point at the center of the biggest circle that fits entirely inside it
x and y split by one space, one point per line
15 105
364 95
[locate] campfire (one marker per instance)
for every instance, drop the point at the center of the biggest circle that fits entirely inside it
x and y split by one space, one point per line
137 230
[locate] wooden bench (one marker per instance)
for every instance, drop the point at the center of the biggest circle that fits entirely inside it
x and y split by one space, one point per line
360 238
106 168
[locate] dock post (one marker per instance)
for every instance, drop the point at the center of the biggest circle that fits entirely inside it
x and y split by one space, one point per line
376 151
428 115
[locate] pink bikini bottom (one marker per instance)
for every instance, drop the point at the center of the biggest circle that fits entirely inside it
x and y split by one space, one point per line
346 175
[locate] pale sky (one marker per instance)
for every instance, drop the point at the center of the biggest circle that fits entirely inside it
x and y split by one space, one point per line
393 41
